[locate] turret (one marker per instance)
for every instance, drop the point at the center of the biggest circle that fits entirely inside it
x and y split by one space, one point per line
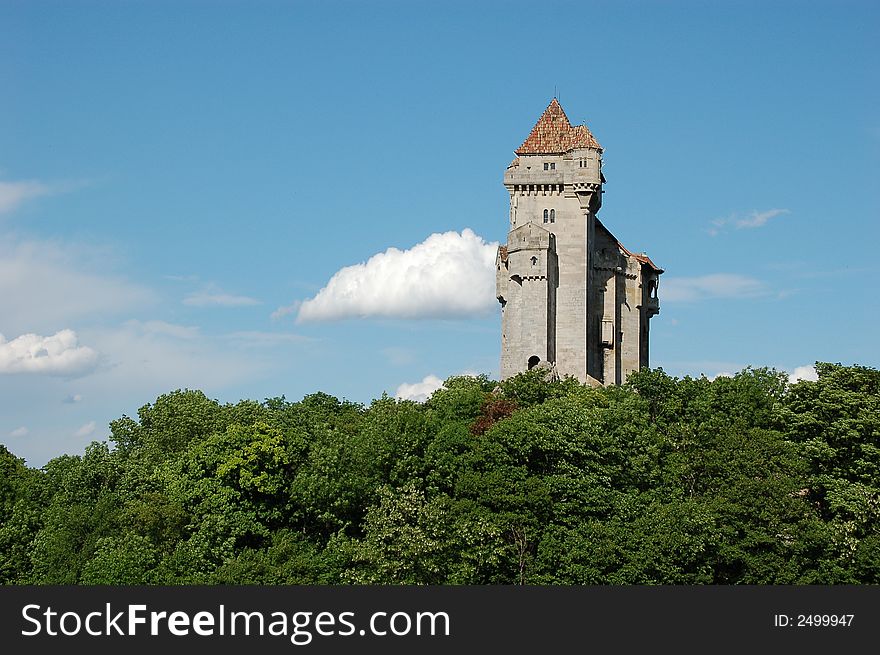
556 158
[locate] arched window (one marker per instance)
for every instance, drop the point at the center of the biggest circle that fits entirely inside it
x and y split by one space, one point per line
533 361
546 216
552 215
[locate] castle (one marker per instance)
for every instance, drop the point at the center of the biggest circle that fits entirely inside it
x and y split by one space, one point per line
571 295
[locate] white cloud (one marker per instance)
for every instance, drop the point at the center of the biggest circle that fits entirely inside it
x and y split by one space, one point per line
19 432
58 354
284 310
716 285
448 275
807 372
85 430
209 299
45 285
13 194
722 374
759 219
752 220
73 398
419 391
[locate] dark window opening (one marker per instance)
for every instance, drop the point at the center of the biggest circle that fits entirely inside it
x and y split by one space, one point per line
534 360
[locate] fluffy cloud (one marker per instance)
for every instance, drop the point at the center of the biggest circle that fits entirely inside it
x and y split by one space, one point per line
59 354
753 220
73 398
717 285
448 275
807 372
85 430
207 299
19 432
419 391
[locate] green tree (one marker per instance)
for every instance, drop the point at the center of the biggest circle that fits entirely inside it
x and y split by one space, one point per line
836 421
125 560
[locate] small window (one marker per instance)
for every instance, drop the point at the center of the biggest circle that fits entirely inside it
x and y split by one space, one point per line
546 216
534 261
546 166
534 360
549 165
552 215
607 333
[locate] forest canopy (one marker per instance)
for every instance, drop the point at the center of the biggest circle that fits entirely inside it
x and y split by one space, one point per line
739 480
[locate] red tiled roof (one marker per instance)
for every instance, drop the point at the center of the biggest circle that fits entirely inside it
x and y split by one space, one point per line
553 134
640 257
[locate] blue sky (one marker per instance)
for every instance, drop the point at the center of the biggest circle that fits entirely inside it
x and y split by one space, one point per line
177 179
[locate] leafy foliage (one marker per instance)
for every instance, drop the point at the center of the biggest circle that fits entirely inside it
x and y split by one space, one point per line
745 479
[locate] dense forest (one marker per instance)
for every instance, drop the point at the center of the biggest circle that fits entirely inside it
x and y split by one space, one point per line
739 480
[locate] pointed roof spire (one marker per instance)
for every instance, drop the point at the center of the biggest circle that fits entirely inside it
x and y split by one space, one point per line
553 134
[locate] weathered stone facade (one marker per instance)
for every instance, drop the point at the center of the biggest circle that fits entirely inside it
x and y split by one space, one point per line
571 295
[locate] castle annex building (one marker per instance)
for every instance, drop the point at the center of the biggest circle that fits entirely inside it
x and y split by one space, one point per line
571 295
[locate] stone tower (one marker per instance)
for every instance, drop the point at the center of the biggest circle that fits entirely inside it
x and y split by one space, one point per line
571 295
